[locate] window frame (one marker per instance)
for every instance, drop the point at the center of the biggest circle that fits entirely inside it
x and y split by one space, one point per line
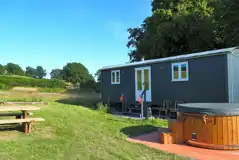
115 73
179 65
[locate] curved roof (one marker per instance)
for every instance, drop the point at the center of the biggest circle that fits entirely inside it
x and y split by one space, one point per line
213 109
173 58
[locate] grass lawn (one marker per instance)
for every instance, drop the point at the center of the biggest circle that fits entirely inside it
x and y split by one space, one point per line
72 132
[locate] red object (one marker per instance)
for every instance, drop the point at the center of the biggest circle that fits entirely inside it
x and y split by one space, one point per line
140 100
152 140
121 98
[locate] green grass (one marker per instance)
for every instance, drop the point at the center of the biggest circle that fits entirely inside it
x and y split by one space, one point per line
16 76
72 132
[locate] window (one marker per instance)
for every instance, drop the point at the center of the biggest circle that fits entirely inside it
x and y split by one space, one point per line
146 79
180 71
139 80
115 77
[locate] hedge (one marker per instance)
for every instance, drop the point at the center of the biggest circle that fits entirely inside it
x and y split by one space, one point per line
11 81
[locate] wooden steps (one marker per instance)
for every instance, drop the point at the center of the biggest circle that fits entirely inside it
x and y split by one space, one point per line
176 127
166 138
173 134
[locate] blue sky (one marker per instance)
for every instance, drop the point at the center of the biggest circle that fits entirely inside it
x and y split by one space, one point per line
53 32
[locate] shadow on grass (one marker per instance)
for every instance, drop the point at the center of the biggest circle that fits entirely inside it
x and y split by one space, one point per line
134 131
83 98
15 127
88 103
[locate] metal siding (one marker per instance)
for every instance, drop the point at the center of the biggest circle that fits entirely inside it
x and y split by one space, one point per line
207 82
175 58
112 92
128 84
235 76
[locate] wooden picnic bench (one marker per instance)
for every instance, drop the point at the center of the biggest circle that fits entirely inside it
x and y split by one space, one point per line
20 117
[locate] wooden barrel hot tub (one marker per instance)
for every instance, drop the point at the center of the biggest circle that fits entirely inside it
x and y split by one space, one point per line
210 125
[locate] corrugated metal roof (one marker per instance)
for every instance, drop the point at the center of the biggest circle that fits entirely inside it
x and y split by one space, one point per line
173 58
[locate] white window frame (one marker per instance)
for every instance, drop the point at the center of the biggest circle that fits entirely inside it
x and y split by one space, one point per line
179 64
115 72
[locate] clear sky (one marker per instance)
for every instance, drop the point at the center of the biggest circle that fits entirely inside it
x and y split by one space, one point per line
53 32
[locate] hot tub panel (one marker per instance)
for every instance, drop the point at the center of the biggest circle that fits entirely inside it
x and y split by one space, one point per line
214 132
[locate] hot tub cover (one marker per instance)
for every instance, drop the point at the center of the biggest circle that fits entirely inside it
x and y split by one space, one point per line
214 109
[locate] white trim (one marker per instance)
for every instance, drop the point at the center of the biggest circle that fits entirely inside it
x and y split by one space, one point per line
230 79
149 92
233 76
179 64
111 77
173 58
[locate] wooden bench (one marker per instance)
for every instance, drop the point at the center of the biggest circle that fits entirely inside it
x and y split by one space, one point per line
26 122
17 115
20 117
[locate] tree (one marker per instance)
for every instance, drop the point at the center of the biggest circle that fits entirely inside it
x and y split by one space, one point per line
76 73
31 72
175 27
135 37
15 69
227 20
40 72
2 69
57 74
98 76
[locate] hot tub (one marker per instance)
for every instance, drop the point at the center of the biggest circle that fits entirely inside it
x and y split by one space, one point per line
210 125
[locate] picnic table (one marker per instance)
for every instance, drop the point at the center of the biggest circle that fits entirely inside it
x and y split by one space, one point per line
21 117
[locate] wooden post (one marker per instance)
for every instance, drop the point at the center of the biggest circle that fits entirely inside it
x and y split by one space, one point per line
25 127
142 110
144 101
24 114
29 127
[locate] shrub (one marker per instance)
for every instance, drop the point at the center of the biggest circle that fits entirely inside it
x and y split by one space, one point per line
3 86
103 108
12 81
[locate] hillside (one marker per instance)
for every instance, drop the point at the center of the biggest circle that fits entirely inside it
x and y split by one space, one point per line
10 81
74 132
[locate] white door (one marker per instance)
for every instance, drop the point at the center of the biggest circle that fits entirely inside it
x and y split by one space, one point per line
143 81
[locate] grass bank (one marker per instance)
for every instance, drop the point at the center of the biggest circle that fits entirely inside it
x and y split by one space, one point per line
73 132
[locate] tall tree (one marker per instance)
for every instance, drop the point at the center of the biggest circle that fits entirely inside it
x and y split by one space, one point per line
98 76
15 69
56 74
40 72
2 69
76 73
31 72
175 27
227 12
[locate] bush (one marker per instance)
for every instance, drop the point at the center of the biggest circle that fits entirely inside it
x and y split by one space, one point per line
12 81
103 108
3 86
